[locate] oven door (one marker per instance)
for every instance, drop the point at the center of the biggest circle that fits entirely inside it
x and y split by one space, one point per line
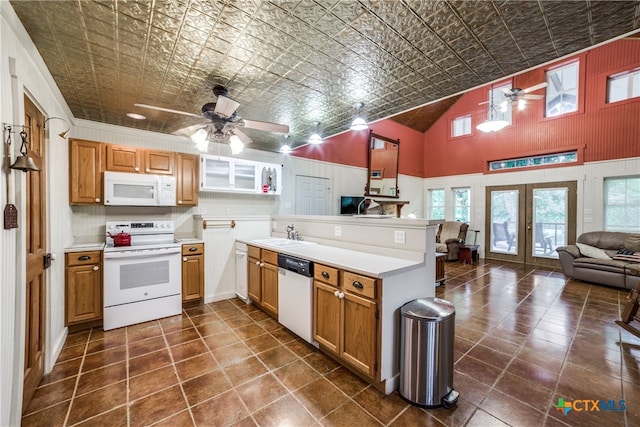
141 274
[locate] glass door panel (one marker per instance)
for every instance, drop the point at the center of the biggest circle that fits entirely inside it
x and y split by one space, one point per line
217 173
550 216
244 175
504 221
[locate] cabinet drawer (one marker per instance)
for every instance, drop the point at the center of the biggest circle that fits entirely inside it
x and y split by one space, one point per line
84 258
325 274
358 284
269 257
195 249
254 252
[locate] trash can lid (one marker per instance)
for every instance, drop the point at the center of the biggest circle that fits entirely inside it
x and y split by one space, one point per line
428 309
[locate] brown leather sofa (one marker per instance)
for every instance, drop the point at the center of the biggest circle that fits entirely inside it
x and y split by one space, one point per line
450 236
600 270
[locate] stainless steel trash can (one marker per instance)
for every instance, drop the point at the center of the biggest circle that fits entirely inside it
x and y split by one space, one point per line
427 331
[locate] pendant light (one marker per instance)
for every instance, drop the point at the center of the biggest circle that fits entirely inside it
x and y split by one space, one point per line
315 137
359 123
492 124
24 162
285 148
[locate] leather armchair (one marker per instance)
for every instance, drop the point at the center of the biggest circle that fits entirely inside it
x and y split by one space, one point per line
450 236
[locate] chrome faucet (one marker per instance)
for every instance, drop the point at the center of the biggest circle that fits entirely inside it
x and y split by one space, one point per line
359 205
291 232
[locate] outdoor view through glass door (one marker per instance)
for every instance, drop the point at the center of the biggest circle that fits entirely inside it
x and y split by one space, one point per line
525 223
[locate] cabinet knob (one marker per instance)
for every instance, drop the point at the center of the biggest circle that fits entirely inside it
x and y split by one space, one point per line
136 169
337 294
325 274
258 263
179 202
262 264
341 296
96 268
97 199
184 258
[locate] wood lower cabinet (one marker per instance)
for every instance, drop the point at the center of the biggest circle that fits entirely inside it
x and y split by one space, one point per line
85 172
187 179
192 272
83 290
123 158
262 274
345 317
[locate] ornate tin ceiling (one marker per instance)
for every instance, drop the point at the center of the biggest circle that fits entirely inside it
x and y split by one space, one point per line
300 62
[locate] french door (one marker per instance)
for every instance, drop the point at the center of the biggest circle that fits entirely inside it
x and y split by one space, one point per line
526 223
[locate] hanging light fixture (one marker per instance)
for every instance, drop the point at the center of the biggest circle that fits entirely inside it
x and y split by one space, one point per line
315 137
492 124
24 162
285 148
359 123
236 145
62 134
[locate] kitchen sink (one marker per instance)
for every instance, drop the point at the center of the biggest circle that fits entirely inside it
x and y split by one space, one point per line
281 242
374 216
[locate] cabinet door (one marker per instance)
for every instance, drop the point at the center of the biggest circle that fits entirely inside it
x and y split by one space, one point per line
254 276
359 329
159 162
326 315
187 180
216 173
84 293
122 158
244 176
192 278
85 172
270 288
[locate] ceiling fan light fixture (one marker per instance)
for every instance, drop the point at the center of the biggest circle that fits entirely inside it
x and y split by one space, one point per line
235 144
521 104
200 136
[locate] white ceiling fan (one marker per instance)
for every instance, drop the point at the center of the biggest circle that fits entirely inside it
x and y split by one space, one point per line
517 96
222 120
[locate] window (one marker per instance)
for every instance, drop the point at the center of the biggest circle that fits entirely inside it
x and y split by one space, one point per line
462 204
534 161
461 126
623 86
622 204
501 104
562 90
436 202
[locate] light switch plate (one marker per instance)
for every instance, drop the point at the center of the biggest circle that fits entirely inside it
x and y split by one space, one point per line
587 211
398 236
587 219
337 230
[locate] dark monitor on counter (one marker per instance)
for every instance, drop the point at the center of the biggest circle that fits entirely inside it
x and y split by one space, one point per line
349 204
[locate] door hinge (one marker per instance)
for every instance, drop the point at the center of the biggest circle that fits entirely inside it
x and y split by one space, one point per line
46 261
375 367
377 314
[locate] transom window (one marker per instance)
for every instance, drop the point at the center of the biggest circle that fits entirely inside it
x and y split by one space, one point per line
623 86
461 126
622 204
462 204
436 204
562 90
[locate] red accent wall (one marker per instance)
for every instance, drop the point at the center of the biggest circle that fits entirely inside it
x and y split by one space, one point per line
599 131
350 148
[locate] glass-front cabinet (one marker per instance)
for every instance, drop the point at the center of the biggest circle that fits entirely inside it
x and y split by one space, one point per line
237 175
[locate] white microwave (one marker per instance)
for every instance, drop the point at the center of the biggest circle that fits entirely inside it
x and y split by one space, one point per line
137 189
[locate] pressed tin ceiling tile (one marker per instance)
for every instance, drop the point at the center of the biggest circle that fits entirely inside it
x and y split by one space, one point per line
298 61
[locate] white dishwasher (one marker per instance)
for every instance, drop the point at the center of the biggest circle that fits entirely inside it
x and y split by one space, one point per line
295 296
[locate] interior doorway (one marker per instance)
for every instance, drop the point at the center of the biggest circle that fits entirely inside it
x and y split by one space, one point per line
312 195
35 294
526 223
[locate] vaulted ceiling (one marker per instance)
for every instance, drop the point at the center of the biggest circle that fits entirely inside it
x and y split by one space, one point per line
300 62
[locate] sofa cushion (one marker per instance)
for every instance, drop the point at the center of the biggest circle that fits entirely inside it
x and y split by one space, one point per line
627 255
632 243
604 239
441 247
592 251
600 264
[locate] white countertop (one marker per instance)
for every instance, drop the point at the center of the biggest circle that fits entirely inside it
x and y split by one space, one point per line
83 247
357 261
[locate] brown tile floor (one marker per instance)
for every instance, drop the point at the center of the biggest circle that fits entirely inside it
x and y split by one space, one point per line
524 338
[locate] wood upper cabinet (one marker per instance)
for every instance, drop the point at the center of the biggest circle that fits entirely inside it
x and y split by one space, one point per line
187 179
159 162
124 158
85 172
83 289
345 317
192 272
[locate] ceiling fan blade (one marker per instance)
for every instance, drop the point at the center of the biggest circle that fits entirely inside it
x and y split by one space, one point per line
536 97
225 106
507 91
168 110
535 87
270 127
243 136
483 102
189 130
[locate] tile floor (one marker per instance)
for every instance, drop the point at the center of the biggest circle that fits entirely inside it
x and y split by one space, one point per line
524 338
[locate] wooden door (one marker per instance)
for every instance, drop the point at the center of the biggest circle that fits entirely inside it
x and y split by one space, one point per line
36 233
359 329
159 162
254 278
122 158
270 288
85 172
326 316
187 180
